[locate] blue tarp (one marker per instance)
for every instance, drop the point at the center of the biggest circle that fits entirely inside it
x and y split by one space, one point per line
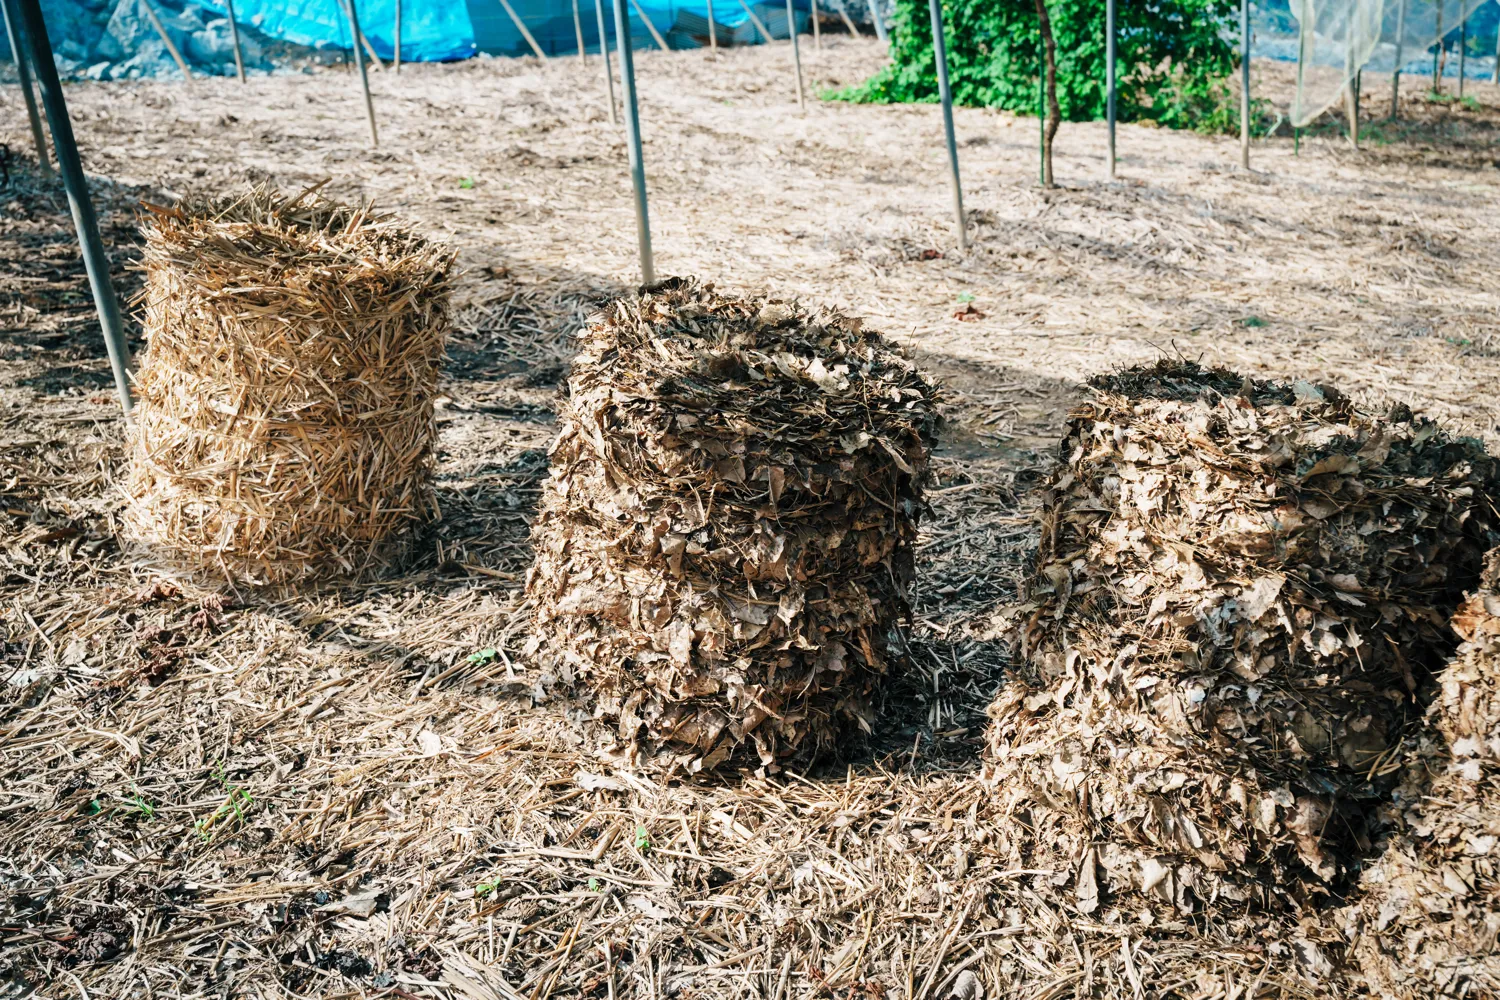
683 24
431 30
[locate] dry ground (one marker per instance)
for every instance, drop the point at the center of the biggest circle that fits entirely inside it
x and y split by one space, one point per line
329 795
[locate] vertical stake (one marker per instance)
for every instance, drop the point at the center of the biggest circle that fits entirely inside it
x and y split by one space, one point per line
1109 78
609 77
1396 76
364 77
1496 78
633 137
791 30
817 29
13 30
1041 107
234 40
1245 84
583 55
713 31
398 36
85 222
161 31
945 94
1463 52
880 32
1437 69
1304 30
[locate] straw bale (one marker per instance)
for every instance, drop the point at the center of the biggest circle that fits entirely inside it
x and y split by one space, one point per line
283 427
1429 922
1241 588
724 545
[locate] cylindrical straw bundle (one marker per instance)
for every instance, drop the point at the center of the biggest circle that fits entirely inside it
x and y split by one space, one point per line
284 425
724 546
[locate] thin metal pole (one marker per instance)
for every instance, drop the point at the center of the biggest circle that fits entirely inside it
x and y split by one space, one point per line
879 21
398 36
713 31
1109 78
945 94
1304 28
1245 84
234 40
609 77
364 77
525 32
633 137
1041 108
161 31
1396 76
760 25
583 55
13 30
1496 78
791 30
1463 52
817 30
1437 69
87 224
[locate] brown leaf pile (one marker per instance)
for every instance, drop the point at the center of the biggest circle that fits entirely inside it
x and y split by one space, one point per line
1429 924
723 549
283 426
1241 588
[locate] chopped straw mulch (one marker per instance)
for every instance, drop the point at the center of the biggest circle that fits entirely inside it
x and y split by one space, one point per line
284 420
1242 588
1429 922
724 546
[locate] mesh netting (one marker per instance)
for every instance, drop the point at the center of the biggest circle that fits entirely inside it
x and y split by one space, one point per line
1333 40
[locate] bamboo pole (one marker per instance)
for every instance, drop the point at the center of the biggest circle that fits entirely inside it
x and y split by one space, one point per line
609 77
880 31
633 137
1437 68
759 26
848 21
161 31
234 40
1463 52
1396 76
398 36
583 55
95 261
791 30
945 95
1109 79
364 77
521 27
713 29
23 71
817 29
661 42
1244 84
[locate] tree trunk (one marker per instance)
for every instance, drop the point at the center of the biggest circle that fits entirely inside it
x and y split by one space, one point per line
1054 114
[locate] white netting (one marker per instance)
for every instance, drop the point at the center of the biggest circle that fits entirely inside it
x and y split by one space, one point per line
1332 40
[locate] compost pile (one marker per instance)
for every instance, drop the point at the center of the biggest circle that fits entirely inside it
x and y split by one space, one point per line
723 549
283 426
1429 924
1242 588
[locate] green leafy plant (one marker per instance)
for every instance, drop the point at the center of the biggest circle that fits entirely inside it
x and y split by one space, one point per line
237 803
1253 321
483 889
1172 58
483 656
466 183
643 840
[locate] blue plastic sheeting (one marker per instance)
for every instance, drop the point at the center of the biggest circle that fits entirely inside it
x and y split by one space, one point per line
683 25
431 30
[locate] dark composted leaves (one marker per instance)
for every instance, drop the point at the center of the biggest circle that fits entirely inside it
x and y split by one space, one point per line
724 544
1429 922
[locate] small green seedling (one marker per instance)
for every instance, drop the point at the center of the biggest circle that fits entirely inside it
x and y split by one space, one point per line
236 803
466 183
1253 322
594 885
138 804
483 889
643 840
484 656
965 297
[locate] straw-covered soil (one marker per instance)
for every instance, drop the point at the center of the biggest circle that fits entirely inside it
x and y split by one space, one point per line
364 791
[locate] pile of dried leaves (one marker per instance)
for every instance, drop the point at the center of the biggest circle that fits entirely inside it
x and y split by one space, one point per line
1429 924
723 549
1242 588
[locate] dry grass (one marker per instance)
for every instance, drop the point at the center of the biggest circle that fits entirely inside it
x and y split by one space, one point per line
184 786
